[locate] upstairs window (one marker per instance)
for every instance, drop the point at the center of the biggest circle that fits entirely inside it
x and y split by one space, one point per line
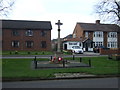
98 34
86 34
15 44
15 33
112 34
43 33
29 33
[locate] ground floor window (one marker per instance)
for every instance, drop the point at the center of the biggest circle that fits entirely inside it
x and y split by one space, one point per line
73 43
29 44
98 44
15 44
112 44
43 44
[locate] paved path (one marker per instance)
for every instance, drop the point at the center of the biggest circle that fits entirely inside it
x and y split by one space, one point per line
72 83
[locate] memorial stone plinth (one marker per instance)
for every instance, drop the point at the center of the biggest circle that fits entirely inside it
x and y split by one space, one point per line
58 53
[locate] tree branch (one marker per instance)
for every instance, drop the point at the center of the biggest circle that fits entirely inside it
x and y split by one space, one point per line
108 9
5 7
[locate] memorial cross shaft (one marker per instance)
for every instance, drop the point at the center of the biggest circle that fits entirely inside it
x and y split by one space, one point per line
59 24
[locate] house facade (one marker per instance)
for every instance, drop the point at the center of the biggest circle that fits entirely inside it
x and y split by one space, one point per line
21 35
97 34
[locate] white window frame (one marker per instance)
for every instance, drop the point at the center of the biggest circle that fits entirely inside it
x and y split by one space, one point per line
98 43
29 44
112 44
98 34
86 34
73 43
15 44
112 34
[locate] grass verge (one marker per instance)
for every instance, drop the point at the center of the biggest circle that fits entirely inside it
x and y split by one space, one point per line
26 53
21 68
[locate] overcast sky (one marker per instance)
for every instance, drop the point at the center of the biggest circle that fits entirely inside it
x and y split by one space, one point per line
68 11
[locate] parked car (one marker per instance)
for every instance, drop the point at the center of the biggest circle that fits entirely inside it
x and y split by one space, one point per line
77 49
97 48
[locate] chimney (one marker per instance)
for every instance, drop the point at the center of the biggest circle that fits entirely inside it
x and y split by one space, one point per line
97 21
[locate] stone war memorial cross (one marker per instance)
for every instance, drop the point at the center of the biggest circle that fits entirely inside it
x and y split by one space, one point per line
58 47
58 55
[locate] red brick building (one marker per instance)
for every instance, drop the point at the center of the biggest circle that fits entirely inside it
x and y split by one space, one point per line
90 35
24 35
97 34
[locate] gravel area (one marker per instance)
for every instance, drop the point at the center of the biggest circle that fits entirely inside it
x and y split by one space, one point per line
66 75
47 64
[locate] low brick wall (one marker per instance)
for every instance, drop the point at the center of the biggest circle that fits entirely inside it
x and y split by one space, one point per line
109 51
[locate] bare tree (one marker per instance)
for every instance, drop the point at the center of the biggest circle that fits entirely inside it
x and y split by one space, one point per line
109 10
6 7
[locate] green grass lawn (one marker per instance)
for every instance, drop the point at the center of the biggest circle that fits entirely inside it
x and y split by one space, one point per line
0 67
17 68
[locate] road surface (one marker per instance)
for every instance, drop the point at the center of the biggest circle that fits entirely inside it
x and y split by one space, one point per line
72 83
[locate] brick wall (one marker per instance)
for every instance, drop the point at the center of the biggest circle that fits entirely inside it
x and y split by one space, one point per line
109 51
105 39
78 31
90 35
7 39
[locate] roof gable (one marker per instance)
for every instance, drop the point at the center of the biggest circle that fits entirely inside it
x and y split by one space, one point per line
73 39
23 24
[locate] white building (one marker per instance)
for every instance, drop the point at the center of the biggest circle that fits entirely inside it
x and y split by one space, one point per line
69 43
